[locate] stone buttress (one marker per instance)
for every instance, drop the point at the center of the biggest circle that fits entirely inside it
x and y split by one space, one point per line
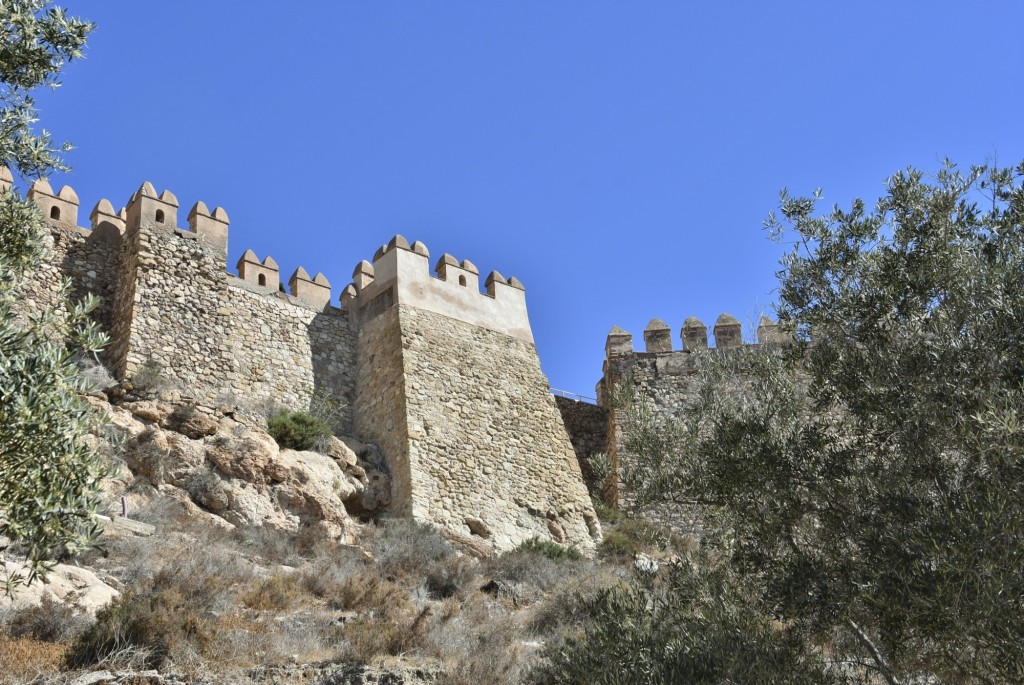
450 386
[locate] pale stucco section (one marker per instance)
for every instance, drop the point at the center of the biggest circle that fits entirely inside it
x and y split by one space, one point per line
504 312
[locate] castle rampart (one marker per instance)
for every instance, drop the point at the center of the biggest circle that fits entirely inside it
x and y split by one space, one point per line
400 273
660 377
443 377
474 438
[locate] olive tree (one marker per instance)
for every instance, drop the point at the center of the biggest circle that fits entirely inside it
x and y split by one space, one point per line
868 478
49 472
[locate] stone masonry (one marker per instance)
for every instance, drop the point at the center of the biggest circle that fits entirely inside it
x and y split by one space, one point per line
464 411
443 378
661 378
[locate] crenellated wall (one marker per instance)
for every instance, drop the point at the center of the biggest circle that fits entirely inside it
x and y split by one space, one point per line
88 257
443 377
168 302
662 378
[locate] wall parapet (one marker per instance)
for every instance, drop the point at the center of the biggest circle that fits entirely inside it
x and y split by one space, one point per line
663 377
401 274
727 332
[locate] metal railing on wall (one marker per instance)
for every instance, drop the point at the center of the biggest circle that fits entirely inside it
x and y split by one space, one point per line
573 396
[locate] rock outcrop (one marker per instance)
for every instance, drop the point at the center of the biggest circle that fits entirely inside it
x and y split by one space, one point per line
222 462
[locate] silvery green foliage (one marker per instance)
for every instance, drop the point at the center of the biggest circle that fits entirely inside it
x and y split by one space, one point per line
36 41
697 624
871 475
49 475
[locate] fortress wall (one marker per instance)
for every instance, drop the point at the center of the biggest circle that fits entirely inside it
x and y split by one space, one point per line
290 352
443 377
178 318
88 256
451 388
166 299
486 442
586 425
90 263
665 381
379 415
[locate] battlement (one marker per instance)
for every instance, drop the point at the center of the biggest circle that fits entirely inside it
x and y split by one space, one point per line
658 359
60 209
665 380
447 383
728 333
160 212
401 274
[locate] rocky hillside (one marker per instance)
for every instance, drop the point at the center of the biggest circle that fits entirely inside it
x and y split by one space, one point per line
241 561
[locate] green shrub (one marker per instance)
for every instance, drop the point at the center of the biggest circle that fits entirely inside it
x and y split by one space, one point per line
551 550
606 512
157 624
650 537
618 544
297 430
698 625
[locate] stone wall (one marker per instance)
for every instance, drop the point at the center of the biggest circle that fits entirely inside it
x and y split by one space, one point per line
178 318
444 378
486 442
665 381
380 413
168 304
291 352
586 425
86 256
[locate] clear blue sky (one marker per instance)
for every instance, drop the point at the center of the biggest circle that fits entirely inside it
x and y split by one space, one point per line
617 157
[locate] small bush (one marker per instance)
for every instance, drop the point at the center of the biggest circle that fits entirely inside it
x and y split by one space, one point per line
651 537
368 593
618 544
155 623
407 548
448 577
325 406
170 612
92 374
531 572
24 660
49 621
551 550
150 379
298 430
279 592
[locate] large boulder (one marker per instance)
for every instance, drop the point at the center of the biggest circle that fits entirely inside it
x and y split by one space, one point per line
69 584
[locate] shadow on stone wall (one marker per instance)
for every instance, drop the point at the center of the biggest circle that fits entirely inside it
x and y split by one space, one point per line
332 344
586 425
91 262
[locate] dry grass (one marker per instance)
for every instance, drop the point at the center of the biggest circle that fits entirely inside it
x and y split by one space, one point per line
23 659
209 602
277 593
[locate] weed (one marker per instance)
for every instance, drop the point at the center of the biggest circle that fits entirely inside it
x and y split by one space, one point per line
606 512
279 592
551 550
618 544
297 430
633 536
23 660
49 621
150 379
92 374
